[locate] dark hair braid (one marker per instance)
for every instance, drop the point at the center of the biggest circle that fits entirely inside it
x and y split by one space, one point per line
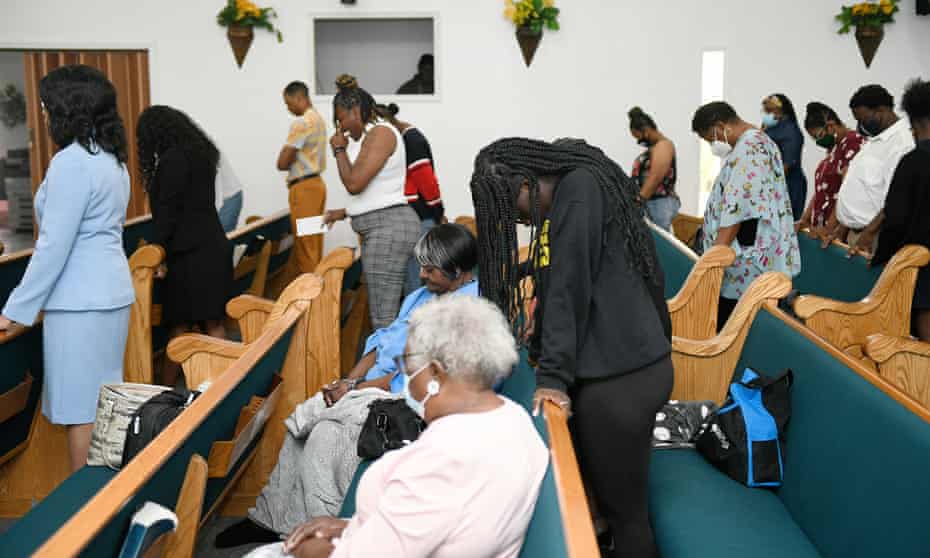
500 170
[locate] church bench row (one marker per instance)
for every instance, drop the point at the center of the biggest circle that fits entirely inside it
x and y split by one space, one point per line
855 453
88 514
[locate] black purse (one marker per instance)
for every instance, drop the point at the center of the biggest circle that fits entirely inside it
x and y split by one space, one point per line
390 425
152 417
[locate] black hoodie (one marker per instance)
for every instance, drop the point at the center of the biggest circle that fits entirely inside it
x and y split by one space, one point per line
597 317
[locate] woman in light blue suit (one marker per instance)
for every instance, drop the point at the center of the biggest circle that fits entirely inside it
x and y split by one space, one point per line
78 274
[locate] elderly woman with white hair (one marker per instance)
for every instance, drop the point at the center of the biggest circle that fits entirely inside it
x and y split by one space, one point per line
467 487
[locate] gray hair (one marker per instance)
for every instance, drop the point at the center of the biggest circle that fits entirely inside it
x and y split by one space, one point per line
467 335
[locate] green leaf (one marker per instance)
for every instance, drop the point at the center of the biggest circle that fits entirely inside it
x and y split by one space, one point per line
552 24
536 26
538 5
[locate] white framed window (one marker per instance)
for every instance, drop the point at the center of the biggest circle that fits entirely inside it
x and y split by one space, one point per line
384 52
713 69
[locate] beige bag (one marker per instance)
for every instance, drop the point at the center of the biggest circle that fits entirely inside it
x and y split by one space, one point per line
115 406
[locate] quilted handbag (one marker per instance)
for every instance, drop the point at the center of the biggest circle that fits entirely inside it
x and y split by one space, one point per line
116 405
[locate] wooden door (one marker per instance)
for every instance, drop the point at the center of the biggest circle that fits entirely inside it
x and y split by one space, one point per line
129 72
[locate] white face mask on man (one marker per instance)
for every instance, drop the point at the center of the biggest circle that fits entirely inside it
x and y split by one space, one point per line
720 148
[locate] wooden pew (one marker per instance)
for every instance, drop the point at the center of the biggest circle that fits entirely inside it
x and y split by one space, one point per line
903 361
686 227
203 358
137 362
886 309
88 513
693 309
830 272
695 379
855 482
251 272
37 449
692 304
2 247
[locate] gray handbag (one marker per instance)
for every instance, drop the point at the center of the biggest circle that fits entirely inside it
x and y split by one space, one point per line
115 406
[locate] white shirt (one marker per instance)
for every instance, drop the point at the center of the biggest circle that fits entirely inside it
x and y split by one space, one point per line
386 189
227 183
466 488
862 194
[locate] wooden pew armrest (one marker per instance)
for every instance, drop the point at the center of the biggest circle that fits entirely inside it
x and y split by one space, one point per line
251 313
703 348
806 306
182 348
243 304
704 368
580 539
881 347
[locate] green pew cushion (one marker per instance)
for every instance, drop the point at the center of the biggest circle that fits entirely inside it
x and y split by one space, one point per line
675 264
827 272
28 533
698 511
855 459
520 386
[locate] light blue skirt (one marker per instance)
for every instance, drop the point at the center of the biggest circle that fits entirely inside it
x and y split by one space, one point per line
82 351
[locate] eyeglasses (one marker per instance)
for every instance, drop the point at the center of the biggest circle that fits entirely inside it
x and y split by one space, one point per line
400 361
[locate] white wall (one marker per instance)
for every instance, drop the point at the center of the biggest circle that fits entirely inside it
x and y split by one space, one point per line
11 71
381 53
608 57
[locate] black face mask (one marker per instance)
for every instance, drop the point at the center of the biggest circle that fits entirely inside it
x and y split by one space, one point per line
870 127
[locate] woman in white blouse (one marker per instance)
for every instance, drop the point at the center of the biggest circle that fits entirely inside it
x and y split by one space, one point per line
373 169
467 487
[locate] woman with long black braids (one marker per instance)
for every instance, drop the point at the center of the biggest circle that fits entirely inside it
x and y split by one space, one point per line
602 332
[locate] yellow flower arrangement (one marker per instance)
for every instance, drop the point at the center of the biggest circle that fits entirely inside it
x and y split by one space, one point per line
532 14
867 14
247 13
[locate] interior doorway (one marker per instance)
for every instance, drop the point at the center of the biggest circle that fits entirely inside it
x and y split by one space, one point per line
26 149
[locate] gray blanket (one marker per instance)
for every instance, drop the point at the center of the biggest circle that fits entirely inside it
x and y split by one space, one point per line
317 461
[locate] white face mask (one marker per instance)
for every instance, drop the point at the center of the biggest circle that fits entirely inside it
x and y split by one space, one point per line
720 148
432 388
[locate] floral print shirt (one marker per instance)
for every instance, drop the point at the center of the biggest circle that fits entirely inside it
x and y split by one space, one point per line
829 176
751 185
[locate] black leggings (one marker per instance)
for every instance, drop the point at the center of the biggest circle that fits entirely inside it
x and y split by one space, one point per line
612 428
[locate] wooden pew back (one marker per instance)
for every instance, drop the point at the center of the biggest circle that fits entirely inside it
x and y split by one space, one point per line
903 361
886 309
155 473
695 380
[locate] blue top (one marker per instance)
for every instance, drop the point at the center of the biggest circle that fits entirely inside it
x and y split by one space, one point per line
78 262
390 341
788 137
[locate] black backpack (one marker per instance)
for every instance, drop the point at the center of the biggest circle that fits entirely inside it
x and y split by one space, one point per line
745 439
152 417
390 425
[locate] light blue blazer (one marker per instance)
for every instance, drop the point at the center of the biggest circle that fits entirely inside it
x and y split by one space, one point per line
78 262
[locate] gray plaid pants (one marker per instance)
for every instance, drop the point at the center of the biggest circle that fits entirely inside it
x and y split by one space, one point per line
388 237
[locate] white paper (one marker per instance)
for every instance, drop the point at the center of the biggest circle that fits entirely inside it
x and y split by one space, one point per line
309 226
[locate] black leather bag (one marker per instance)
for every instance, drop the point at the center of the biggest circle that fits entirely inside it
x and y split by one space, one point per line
390 425
152 417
